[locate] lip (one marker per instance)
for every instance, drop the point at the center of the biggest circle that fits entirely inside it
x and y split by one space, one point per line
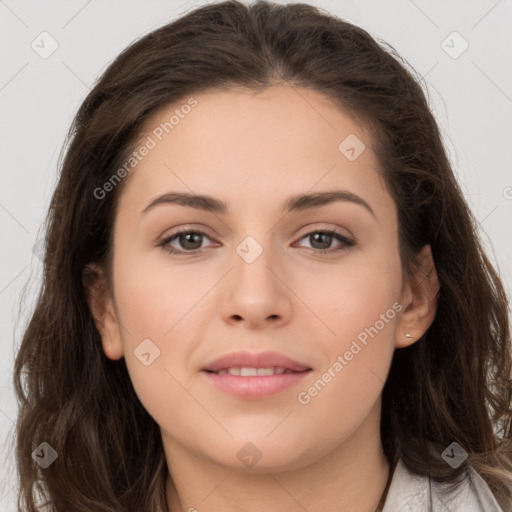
267 359
255 387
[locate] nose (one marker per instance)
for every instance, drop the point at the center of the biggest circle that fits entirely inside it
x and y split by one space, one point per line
255 293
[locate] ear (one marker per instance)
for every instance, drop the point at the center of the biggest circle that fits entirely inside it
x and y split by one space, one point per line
102 309
419 300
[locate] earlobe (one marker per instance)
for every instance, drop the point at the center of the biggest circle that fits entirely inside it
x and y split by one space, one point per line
419 300
102 310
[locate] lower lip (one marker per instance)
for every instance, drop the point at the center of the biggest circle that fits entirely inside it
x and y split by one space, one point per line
255 387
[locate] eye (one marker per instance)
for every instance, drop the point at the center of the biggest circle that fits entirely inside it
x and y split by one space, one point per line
189 240
321 241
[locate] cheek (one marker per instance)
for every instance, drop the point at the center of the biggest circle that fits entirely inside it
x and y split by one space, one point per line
153 296
359 306
151 309
346 388
352 295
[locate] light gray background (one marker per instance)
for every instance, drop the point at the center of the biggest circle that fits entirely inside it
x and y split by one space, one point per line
471 96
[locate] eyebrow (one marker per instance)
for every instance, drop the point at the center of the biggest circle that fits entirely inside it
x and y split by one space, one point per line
295 203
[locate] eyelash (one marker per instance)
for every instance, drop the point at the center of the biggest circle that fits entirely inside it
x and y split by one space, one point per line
164 244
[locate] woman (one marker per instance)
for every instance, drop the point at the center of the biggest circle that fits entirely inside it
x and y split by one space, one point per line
334 338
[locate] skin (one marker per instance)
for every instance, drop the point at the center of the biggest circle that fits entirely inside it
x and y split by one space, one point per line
252 151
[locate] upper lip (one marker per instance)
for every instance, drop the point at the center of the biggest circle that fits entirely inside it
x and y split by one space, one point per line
255 360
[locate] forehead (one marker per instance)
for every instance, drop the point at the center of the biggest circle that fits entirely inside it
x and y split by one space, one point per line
280 141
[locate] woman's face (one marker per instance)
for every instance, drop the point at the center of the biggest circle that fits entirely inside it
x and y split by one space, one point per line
255 279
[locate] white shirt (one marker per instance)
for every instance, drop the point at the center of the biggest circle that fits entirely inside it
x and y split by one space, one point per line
411 493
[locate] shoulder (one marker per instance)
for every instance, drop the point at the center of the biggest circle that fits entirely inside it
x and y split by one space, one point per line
412 493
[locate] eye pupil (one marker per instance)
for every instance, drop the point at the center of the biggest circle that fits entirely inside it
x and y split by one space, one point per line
322 240
185 238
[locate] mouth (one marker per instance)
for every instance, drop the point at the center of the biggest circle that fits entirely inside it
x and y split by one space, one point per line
250 376
250 364
255 372
250 383
254 376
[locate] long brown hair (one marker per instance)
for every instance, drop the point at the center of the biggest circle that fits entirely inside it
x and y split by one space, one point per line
453 385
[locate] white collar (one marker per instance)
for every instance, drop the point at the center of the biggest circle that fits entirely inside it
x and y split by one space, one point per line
412 493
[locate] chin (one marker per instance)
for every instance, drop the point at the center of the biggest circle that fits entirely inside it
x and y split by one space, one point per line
264 455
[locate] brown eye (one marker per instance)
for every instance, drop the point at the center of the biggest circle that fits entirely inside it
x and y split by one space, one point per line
190 241
187 241
321 241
